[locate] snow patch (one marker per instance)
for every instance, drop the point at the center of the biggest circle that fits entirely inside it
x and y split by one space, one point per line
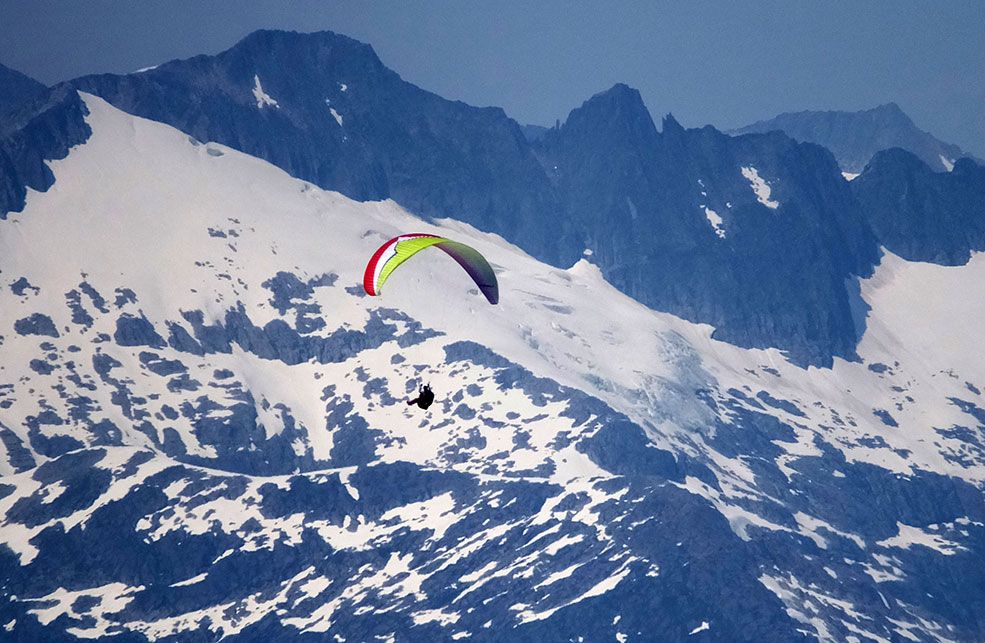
760 186
194 580
701 628
263 99
633 212
715 220
108 599
908 535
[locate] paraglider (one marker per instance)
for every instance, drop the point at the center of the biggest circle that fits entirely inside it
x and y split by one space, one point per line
424 399
396 251
399 249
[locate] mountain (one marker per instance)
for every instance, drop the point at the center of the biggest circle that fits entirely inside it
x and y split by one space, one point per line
36 124
756 235
34 131
16 88
325 109
855 137
923 215
204 434
293 99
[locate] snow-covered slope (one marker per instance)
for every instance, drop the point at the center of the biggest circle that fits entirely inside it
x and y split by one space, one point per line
204 432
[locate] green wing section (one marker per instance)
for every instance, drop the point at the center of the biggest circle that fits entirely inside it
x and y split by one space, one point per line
405 250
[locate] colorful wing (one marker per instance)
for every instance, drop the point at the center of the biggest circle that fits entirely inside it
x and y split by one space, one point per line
474 264
399 249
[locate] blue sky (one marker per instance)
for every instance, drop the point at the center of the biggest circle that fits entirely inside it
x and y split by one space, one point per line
724 63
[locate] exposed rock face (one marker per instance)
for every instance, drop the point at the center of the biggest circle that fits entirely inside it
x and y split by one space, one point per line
755 235
39 129
15 89
923 215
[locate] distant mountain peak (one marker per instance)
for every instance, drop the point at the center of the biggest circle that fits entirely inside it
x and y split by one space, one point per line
893 114
855 137
10 72
670 124
17 88
620 94
287 52
619 108
272 38
891 106
622 89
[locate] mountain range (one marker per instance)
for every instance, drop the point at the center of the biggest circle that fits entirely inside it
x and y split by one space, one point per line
693 220
726 394
855 137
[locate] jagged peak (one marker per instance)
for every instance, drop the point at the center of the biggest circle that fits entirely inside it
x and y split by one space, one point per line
16 82
619 94
10 71
267 39
284 35
21 97
622 89
670 123
618 104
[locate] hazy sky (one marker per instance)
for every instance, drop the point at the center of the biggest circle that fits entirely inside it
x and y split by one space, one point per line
727 63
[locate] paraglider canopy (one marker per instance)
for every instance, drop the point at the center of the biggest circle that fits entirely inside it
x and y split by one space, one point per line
399 249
